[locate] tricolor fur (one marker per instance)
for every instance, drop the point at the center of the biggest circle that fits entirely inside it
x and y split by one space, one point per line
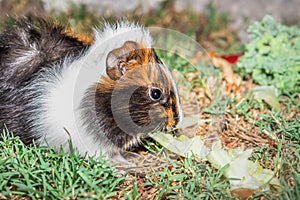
54 88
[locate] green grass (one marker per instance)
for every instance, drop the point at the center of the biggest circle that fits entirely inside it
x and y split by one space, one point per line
190 179
41 173
185 179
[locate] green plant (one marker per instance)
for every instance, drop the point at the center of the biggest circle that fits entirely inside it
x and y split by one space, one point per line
41 173
275 124
273 55
189 179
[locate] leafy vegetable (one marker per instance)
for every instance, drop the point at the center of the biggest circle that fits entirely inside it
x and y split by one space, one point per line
273 55
243 172
182 145
244 175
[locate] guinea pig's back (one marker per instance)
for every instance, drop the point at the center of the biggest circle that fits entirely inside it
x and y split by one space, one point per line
29 50
28 46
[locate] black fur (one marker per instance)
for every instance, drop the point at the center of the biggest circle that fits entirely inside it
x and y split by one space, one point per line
50 46
43 37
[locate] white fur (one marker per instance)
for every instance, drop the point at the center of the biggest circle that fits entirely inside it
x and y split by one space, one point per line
62 90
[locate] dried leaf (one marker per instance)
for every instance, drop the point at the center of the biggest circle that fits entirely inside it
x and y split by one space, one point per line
229 76
242 193
226 68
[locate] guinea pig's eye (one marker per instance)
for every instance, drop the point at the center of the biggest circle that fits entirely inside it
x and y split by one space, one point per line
155 93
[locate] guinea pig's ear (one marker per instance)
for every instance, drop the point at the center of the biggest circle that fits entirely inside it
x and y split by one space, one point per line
121 60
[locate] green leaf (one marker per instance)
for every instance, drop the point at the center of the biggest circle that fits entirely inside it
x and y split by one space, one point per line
189 121
268 94
242 172
182 145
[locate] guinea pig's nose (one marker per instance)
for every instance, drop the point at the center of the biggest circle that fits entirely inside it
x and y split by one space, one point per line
170 129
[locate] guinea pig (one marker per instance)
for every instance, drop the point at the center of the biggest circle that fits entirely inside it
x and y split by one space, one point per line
102 97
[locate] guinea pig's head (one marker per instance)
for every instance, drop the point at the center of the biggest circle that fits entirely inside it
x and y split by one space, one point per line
143 93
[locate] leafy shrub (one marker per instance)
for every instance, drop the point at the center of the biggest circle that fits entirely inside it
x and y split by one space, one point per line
273 55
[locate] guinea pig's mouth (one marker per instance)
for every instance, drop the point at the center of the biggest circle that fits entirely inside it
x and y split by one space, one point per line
173 131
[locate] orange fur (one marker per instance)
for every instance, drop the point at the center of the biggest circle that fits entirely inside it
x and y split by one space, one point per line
134 65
